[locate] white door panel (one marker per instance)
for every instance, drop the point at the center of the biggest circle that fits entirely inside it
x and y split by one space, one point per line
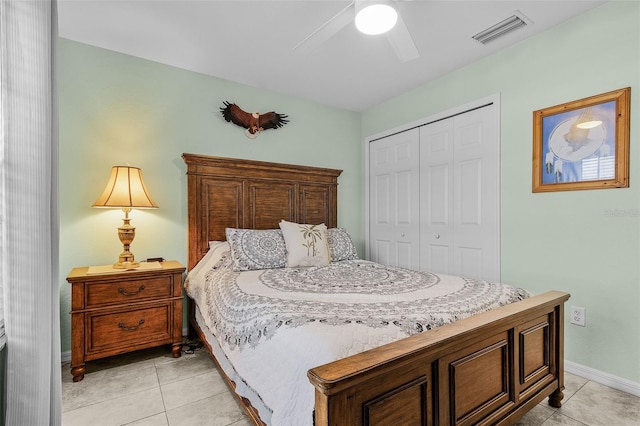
382 202
438 257
405 186
470 262
437 179
382 250
405 254
469 192
394 193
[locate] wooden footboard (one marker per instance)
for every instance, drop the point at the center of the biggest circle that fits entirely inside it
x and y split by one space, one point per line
489 369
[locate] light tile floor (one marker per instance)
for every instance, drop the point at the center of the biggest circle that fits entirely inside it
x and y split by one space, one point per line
149 388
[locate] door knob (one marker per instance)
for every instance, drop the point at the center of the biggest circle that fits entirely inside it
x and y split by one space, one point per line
402 234
437 236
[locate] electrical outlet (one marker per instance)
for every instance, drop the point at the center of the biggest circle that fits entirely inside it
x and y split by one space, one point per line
578 316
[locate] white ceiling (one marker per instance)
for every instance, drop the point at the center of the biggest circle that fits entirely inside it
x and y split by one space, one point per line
251 42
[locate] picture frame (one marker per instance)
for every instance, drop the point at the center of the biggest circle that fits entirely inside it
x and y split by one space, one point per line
582 144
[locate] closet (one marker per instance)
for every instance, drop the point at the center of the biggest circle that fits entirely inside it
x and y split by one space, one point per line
434 195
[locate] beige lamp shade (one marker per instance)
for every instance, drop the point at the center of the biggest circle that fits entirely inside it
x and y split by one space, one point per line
125 188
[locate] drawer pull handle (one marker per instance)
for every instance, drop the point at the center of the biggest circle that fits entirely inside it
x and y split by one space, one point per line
135 327
133 293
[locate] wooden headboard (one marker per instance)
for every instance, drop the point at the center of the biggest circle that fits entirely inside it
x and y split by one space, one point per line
233 193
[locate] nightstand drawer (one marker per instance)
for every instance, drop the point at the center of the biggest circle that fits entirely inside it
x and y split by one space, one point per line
129 327
111 292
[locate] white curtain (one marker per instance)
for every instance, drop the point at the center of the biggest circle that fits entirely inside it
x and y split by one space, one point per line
29 211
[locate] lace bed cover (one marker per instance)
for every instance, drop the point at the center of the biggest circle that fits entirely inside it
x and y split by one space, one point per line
273 325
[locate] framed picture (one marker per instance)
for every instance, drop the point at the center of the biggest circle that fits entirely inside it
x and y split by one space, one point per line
582 144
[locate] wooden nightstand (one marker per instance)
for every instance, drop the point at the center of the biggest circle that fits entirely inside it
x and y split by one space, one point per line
117 312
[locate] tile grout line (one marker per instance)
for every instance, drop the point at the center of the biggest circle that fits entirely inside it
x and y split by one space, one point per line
164 405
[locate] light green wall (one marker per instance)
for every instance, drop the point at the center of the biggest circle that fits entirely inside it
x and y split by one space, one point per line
117 109
564 240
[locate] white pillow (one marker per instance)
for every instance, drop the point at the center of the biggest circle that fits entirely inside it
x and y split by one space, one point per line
306 244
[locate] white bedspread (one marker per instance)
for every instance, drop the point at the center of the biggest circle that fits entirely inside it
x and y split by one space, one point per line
273 325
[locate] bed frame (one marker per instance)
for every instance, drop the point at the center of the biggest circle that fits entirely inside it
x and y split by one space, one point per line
489 369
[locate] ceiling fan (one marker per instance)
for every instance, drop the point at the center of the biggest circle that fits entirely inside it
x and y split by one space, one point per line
398 36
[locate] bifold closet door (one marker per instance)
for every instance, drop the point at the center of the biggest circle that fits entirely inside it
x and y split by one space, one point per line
459 207
394 179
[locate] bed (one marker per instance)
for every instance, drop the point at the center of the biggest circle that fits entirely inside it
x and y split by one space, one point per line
489 368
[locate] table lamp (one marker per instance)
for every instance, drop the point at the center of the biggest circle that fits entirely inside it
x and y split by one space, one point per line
126 189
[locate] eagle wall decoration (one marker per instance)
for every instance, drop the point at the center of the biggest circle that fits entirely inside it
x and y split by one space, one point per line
253 122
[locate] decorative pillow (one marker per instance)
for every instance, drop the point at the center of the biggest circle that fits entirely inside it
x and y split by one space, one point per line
253 249
306 244
340 245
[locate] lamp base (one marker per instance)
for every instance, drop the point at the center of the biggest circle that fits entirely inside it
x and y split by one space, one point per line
126 233
126 265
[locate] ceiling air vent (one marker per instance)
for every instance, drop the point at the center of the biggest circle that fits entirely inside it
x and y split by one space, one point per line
501 28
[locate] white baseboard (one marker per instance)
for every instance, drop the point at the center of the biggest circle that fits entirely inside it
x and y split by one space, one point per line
603 378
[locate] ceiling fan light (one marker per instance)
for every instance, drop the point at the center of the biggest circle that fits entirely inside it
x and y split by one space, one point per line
376 19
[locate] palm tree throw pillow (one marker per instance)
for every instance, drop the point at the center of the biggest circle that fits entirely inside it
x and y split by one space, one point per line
306 244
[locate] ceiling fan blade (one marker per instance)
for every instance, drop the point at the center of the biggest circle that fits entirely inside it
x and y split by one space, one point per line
400 39
328 29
